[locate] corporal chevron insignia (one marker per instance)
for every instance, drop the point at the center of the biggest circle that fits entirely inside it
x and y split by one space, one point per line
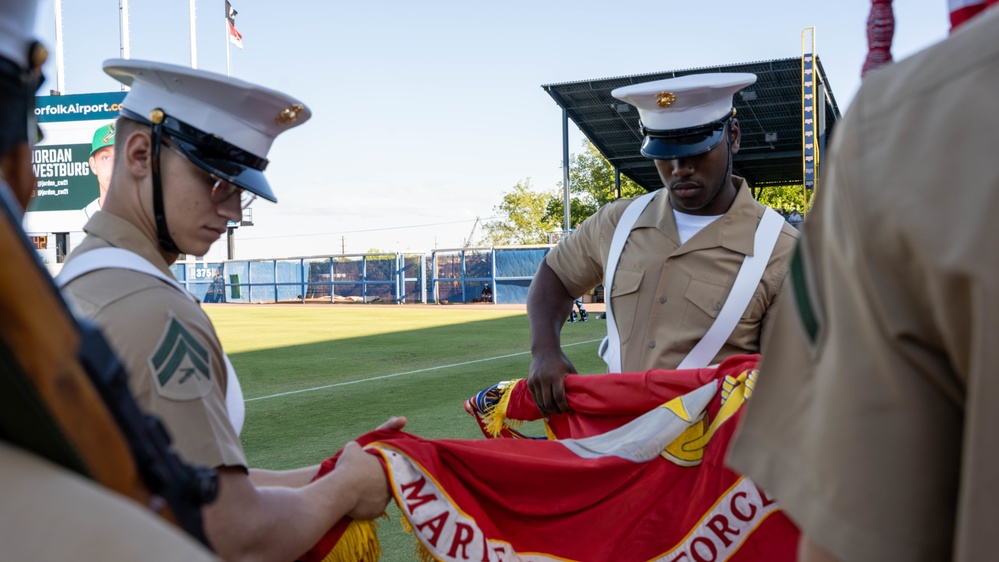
180 364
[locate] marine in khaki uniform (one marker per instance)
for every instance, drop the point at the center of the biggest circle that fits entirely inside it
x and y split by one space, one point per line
47 511
190 149
178 357
873 421
683 253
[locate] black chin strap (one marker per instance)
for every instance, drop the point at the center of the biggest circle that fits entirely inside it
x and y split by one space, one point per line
162 232
728 169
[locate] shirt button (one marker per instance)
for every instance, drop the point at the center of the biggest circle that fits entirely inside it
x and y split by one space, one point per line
718 305
662 300
652 344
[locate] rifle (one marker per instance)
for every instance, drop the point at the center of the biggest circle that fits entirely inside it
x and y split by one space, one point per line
64 395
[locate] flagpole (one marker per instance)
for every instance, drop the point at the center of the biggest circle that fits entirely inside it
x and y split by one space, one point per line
60 61
228 63
194 38
123 8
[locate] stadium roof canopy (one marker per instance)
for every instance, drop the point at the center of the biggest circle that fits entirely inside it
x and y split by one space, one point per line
769 114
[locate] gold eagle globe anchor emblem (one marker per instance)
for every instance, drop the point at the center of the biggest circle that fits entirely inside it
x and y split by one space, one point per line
665 99
288 116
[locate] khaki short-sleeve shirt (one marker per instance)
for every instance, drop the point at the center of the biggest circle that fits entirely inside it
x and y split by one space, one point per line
49 513
665 295
873 421
165 341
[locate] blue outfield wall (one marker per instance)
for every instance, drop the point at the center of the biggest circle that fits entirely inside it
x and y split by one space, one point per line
457 275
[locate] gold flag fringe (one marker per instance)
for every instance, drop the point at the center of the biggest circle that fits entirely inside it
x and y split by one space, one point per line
359 543
421 551
495 418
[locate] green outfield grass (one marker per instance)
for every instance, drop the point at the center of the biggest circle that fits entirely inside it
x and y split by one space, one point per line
315 376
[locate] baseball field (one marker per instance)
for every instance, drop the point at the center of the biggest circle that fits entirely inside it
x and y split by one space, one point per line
315 376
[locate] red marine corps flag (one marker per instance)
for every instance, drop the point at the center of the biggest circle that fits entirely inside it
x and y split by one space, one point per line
636 474
235 37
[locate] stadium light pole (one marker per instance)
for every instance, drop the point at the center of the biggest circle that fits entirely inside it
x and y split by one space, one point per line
60 59
194 34
565 167
231 242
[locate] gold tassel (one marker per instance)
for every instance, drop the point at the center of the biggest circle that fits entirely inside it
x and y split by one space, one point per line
358 543
495 418
421 552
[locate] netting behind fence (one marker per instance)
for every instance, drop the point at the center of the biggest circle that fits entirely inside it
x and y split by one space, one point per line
446 275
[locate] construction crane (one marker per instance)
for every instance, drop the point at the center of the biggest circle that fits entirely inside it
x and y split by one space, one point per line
468 241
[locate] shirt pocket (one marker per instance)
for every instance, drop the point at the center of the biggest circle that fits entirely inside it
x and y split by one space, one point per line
704 301
624 300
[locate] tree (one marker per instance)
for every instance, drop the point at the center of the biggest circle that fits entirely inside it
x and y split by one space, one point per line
591 186
528 216
785 197
523 217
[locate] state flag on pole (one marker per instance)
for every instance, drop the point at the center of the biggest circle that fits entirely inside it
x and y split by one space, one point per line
235 37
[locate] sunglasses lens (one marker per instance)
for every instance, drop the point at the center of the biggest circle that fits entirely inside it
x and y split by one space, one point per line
246 198
223 190
220 190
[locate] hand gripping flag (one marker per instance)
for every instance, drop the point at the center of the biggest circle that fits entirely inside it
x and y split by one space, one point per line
623 484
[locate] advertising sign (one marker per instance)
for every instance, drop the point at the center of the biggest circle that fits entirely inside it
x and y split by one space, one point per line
67 191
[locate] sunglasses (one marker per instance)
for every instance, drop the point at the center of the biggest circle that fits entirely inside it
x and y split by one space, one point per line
221 189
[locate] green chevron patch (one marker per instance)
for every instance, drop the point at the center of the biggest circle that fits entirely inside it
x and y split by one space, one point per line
181 364
805 309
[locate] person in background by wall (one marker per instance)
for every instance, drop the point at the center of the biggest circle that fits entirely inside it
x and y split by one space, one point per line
795 218
578 304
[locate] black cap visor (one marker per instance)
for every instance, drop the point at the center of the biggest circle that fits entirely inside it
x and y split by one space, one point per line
683 143
661 148
236 173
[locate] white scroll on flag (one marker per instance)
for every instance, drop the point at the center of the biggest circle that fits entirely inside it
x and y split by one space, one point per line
235 37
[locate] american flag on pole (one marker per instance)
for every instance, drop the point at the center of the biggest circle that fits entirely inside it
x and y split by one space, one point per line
235 37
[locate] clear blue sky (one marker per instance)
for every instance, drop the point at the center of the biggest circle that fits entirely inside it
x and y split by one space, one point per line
426 112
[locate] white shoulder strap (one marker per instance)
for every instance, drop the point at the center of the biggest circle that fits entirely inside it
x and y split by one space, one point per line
118 258
610 348
741 294
234 403
113 258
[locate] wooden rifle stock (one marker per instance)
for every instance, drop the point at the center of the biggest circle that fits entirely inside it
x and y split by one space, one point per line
65 396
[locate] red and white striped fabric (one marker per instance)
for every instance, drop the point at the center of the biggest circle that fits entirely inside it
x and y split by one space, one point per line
963 10
880 30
